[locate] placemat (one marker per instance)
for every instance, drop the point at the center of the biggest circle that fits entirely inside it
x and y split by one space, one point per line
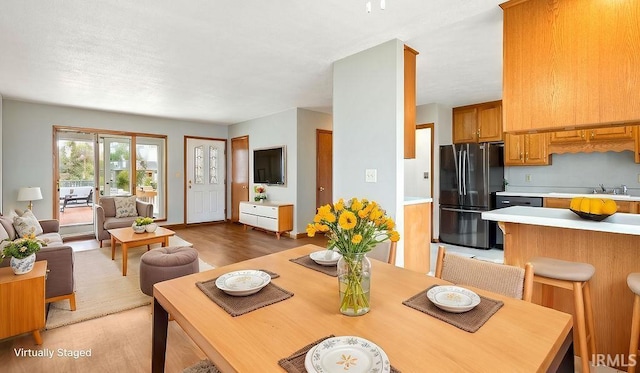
469 321
295 362
270 273
237 306
309 263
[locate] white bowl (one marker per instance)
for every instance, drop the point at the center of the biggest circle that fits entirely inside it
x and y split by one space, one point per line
241 283
325 257
453 298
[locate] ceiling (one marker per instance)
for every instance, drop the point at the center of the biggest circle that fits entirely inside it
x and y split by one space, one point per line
225 62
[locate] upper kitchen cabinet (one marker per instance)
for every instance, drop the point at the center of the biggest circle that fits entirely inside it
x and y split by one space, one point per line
477 123
526 150
594 134
409 102
570 63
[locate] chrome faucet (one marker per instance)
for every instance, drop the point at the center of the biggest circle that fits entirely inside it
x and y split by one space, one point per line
625 191
604 190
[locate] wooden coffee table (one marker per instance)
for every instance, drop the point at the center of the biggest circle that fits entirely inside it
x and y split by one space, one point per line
128 238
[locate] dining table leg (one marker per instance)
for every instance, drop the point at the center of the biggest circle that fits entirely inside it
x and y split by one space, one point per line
159 347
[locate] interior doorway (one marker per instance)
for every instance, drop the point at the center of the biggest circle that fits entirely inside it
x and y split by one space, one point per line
239 174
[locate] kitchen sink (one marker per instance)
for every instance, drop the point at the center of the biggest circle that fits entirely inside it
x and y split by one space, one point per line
604 195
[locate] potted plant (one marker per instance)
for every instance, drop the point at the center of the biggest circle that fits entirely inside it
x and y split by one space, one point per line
142 225
22 252
260 195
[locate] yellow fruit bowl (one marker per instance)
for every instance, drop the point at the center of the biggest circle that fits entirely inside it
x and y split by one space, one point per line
594 217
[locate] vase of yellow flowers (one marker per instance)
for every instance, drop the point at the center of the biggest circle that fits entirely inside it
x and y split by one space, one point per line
354 228
22 252
144 224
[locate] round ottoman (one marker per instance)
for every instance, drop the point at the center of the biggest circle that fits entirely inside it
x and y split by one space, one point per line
165 263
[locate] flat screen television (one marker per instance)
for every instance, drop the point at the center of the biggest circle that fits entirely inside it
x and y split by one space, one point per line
269 166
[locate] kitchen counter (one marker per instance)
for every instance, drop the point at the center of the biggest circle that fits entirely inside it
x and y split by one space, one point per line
611 246
569 195
417 200
563 218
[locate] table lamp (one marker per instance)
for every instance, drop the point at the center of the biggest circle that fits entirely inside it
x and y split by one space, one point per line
29 194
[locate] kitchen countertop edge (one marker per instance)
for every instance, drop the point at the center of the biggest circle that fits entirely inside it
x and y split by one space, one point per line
563 218
616 197
417 200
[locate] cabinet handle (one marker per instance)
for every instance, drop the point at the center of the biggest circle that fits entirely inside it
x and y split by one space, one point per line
520 155
478 132
593 134
527 156
582 134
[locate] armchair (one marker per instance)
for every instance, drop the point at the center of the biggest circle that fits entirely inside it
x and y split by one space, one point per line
106 217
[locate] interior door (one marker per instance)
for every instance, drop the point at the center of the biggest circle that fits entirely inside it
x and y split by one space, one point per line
205 189
239 174
324 167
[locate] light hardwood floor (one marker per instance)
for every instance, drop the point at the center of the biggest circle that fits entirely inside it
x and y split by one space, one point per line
122 342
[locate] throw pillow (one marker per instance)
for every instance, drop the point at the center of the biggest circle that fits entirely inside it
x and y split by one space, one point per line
125 206
27 224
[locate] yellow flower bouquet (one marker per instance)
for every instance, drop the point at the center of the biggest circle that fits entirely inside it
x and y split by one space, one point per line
353 228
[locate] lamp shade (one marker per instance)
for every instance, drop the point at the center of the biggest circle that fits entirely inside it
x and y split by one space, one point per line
29 194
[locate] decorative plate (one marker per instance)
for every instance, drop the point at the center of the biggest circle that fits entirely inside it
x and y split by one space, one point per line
241 283
346 354
453 298
588 216
325 257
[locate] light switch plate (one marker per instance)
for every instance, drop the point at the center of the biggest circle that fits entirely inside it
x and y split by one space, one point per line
371 175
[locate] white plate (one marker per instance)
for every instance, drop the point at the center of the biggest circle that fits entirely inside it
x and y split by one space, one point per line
241 283
346 354
453 298
325 257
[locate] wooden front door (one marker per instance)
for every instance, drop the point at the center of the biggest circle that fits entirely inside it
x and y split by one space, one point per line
239 174
324 167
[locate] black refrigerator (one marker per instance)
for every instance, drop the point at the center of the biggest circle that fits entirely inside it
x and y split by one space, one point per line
470 176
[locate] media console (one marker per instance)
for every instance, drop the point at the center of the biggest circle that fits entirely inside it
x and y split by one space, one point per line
270 216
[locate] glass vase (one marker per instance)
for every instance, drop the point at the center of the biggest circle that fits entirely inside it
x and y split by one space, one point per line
354 280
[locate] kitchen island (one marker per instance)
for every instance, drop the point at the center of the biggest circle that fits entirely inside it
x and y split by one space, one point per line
611 246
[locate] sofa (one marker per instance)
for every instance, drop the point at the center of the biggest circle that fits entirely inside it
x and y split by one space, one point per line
59 257
106 217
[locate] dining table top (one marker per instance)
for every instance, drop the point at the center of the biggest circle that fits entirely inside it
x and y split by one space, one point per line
520 336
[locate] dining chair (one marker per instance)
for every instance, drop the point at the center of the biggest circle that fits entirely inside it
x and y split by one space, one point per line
511 281
384 252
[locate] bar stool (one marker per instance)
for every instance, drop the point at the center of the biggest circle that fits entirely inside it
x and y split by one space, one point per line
633 280
571 276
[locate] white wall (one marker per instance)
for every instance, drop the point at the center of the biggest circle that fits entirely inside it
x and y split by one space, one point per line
308 122
577 173
27 148
442 118
368 128
1 198
294 128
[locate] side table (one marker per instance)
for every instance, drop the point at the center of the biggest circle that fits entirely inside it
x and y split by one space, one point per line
22 306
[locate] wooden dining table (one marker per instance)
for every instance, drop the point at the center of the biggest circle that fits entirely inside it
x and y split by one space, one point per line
519 337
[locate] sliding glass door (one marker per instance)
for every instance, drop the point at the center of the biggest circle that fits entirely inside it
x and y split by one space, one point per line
92 163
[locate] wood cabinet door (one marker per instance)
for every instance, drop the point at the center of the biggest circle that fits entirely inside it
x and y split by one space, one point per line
563 137
465 125
490 122
611 133
557 203
568 63
536 152
513 150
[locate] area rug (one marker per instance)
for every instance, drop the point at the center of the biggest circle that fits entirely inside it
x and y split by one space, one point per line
204 366
101 289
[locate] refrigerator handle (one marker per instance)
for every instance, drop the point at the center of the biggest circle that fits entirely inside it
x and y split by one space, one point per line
464 172
459 172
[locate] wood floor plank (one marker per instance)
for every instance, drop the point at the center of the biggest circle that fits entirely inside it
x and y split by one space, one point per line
122 342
